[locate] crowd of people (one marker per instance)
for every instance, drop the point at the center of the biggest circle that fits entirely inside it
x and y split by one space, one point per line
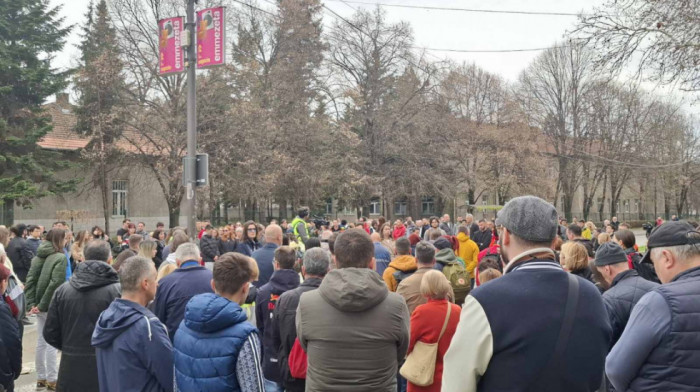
525 302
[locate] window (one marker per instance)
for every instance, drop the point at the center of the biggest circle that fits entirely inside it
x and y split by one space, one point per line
119 194
428 206
485 199
329 206
374 207
400 207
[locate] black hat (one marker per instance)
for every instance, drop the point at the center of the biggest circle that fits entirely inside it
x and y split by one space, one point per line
671 234
442 243
609 253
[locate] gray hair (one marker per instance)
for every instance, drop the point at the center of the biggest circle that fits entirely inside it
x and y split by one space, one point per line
133 271
683 253
317 261
97 250
425 253
187 251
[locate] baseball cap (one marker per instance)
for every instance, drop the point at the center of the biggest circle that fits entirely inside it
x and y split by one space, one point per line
671 234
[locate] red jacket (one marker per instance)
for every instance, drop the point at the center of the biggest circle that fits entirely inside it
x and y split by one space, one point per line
426 323
399 232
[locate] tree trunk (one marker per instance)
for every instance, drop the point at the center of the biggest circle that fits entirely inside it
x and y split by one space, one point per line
104 191
174 216
601 207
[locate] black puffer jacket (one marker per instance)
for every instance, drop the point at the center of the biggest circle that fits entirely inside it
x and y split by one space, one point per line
285 331
210 248
71 320
10 347
21 256
627 288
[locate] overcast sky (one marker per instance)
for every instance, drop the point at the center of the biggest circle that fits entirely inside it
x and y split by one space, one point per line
445 29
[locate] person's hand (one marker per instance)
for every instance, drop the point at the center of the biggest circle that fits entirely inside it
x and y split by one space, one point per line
34 310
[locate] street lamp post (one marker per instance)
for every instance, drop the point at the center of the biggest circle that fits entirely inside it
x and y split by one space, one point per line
191 168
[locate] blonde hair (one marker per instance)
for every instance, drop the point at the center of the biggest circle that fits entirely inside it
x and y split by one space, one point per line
574 256
590 226
489 274
603 238
254 268
146 249
165 270
435 285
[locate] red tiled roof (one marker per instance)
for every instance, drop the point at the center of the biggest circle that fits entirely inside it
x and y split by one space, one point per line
62 136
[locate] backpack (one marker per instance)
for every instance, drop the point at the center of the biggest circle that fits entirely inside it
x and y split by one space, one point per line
459 279
401 275
298 361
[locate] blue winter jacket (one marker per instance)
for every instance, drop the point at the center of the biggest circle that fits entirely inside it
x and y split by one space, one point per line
134 353
382 257
176 290
208 342
265 258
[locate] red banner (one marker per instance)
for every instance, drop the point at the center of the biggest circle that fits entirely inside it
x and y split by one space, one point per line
210 37
170 52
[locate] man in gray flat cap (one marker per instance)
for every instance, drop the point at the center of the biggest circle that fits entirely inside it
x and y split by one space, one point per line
530 329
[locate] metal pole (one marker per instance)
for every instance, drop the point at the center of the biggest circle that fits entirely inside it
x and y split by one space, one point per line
191 120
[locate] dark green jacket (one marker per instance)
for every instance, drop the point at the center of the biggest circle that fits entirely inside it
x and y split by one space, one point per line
48 271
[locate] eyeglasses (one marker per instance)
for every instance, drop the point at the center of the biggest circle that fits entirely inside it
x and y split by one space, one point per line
253 230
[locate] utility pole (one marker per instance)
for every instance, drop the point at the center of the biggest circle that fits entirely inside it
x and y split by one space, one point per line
191 168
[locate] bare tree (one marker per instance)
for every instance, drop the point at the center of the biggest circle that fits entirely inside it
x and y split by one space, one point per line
661 37
552 91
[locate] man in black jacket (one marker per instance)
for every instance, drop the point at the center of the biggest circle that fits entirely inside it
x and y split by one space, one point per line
209 245
73 313
575 233
283 279
626 286
10 341
316 264
483 236
19 253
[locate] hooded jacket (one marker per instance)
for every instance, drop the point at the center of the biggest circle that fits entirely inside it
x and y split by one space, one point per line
48 271
352 319
265 303
74 310
208 342
469 252
445 257
133 350
405 264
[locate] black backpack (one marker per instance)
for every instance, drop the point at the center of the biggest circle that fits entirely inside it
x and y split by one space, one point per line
401 275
